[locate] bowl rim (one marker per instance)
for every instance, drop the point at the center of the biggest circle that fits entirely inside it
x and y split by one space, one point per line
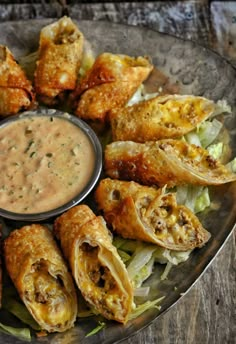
97 148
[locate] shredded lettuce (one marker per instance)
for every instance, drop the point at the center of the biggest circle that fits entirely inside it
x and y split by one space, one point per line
193 138
163 256
22 333
166 271
124 255
141 95
138 310
139 260
221 106
142 291
126 245
97 329
143 273
21 312
232 165
142 257
88 59
208 132
194 197
202 201
216 150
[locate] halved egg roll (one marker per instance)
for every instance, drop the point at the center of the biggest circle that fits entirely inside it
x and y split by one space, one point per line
41 277
96 266
145 213
60 54
169 116
110 83
166 162
16 92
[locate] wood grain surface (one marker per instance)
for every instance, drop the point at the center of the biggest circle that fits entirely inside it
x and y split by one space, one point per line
206 314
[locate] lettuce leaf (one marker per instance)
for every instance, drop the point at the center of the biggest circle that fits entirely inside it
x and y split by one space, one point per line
202 201
232 165
194 197
101 325
208 132
221 107
140 258
138 310
143 273
23 333
163 256
216 150
141 95
21 312
126 245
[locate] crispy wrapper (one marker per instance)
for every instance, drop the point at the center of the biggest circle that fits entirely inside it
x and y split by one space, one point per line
145 213
16 92
96 266
169 116
41 277
60 55
110 83
166 162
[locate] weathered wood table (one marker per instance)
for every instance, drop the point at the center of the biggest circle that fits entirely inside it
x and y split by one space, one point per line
207 313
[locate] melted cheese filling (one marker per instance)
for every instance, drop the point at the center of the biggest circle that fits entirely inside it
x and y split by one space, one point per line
98 282
47 296
185 110
170 223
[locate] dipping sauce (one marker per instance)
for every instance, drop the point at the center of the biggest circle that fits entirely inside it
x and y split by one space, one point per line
45 162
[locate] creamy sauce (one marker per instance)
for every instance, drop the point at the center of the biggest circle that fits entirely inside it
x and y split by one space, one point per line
45 162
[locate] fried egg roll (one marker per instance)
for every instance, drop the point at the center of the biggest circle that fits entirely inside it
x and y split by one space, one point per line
169 116
96 266
16 92
166 162
145 213
41 277
110 83
60 55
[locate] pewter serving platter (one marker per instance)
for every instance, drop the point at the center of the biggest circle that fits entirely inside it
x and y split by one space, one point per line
199 71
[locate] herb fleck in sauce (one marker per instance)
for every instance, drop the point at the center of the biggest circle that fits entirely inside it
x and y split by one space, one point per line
50 164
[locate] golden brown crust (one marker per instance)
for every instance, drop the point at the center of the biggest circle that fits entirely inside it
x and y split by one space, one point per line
16 92
96 266
60 54
41 277
75 217
169 116
165 162
111 82
148 214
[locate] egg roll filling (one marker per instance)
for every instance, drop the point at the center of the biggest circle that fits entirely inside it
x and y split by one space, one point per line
170 222
100 286
46 292
66 35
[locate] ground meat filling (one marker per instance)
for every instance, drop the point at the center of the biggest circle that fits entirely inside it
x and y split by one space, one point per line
47 295
99 275
101 287
170 223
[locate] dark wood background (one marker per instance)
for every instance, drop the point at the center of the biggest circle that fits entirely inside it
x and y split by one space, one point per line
206 315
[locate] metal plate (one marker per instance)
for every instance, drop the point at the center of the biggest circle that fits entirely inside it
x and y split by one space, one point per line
200 72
